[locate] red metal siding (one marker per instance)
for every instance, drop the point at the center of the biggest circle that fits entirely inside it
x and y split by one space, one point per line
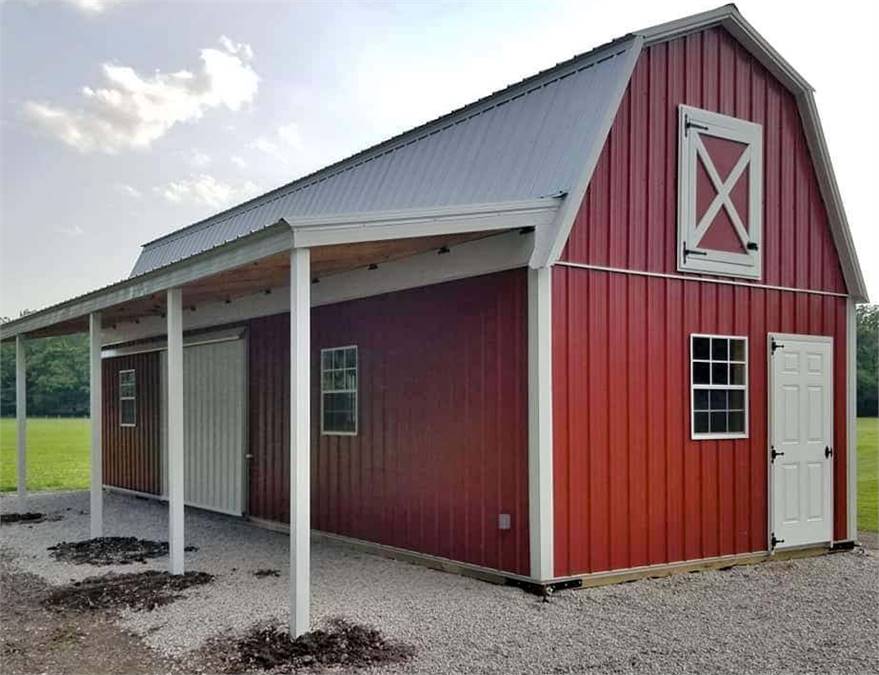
628 216
131 455
631 488
442 442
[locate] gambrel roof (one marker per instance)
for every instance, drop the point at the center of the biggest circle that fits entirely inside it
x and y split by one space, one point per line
525 142
537 138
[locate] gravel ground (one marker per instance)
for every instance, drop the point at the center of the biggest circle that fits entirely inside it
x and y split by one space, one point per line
811 615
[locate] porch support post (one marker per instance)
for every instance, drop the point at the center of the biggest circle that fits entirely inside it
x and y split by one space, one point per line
540 496
96 510
21 413
174 415
851 384
300 440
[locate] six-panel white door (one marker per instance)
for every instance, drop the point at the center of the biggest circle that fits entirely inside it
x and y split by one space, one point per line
801 439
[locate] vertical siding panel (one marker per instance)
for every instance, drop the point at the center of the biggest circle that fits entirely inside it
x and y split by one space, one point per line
693 504
677 420
422 449
131 454
656 475
618 461
636 409
598 480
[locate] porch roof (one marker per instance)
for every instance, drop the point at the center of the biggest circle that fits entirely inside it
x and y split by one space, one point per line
261 261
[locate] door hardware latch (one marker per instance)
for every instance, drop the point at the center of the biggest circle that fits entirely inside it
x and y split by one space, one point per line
775 453
752 246
828 451
775 541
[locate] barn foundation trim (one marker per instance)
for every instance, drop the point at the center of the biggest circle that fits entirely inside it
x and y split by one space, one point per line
300 440
174 379
96 495
21 413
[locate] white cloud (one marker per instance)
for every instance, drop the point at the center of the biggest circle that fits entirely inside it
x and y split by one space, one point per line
199 159
238 161
94 6
206 190
132 111
278 144
128 190
72 231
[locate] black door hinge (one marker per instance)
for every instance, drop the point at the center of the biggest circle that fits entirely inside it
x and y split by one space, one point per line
776 542
776 345
689 251
775 453
828 451
688 124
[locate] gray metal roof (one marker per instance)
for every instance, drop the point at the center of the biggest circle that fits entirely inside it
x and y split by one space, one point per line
527 141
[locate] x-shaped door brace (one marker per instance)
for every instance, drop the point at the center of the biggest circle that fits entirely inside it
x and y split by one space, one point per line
724 188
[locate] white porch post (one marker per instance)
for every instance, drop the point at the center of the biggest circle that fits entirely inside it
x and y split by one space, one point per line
300 440
540 498
175 429
96 510
21 413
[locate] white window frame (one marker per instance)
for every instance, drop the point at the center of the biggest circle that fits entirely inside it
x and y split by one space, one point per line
718 436
355 391
692 123
132 397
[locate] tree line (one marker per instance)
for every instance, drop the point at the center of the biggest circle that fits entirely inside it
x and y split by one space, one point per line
58 380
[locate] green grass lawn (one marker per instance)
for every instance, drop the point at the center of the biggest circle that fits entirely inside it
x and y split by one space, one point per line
868 474
57 454
58 459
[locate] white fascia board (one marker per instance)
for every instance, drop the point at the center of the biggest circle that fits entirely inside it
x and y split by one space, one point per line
551 241
408 223
731 19
485 256
267 242
842 237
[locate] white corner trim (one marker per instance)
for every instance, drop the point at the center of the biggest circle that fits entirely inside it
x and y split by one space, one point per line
851 402
408 223
176 439
549 244
540 469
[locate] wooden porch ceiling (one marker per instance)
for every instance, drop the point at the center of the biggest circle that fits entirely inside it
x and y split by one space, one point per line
267 274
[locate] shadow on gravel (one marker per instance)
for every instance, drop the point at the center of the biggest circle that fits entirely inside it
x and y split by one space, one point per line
9 518
140 591
342 644
110 551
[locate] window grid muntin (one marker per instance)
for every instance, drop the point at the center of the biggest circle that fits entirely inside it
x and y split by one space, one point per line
339 379
127 397
741 361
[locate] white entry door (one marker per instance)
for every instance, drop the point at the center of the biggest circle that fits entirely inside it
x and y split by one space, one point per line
801 439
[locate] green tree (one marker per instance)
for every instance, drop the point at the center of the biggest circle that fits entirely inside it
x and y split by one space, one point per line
868 360
57 377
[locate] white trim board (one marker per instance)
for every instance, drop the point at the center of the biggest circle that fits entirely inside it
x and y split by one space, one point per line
704 280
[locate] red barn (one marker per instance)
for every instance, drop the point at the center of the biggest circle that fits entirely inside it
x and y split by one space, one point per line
593 326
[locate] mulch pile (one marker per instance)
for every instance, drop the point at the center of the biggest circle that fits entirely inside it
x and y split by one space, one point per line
110 550
7 518
341 644
266 573
140 591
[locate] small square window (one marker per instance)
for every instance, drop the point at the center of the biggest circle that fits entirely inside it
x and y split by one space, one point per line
719 367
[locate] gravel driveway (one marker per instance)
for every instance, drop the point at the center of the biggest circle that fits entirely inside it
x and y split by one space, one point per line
811 615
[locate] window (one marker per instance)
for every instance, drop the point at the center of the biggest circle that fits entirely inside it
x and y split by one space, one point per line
127 398
719 386
338 391
720 194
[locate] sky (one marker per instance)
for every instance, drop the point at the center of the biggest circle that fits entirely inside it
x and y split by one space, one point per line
122 120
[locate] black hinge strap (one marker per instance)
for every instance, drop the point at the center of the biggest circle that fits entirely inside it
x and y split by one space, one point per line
776 345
